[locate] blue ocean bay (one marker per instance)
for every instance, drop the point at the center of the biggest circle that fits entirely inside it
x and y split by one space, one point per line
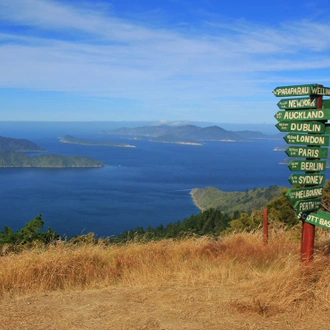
146 185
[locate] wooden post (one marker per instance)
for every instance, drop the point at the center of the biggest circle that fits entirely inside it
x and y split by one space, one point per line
265 226
308 230
307 242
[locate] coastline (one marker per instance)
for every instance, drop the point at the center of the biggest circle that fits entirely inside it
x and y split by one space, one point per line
100 144
73 140
194 199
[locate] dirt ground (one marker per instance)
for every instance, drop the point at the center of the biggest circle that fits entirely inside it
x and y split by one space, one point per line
166 307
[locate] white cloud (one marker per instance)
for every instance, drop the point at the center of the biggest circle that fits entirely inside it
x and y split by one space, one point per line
88 50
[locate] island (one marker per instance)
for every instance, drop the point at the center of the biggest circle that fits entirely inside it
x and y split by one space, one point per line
188 134
17 159
282 148
74 140
170 138
20 145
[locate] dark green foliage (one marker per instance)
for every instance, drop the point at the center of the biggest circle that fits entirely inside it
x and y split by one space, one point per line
17 159
209 222
30 232
215 222
281 210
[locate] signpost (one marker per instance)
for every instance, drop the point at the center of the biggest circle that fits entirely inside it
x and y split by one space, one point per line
304 119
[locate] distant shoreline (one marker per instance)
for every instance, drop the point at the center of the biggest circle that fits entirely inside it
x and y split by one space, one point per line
73 140
194 199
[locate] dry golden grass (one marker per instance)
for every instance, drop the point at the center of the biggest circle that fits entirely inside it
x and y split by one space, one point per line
238 271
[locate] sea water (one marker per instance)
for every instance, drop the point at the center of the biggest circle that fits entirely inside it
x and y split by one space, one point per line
146 185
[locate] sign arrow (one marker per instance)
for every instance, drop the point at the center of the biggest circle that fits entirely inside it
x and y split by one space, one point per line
320 218
308 139
307 205
296 90
304 193
298 103
305 127
307 165
300 90
303 115
307 152
307 179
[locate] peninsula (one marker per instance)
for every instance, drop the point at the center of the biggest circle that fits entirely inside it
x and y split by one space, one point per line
21 145
231 201
17 159
74 140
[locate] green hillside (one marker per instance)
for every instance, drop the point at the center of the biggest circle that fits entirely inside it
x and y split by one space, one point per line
229 202
21 145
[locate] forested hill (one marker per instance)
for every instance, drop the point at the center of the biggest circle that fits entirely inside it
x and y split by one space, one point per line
21 145
190 133
17 159
231 201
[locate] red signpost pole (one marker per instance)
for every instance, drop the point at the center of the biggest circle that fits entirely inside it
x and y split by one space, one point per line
308 229
265 226
307 242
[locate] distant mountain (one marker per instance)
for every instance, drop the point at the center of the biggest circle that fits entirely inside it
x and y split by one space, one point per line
21 145
189 133
18 159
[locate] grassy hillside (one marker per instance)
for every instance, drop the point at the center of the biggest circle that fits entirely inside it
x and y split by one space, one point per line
229 202
235 282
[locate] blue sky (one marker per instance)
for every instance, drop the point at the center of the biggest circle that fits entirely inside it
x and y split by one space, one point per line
211 60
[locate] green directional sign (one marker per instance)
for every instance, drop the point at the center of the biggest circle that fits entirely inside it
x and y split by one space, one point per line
320 218
299 103
307 179
303 115
320 90
303 127
307 152
304 193
309 139
308 205
300 90
307 165
297 90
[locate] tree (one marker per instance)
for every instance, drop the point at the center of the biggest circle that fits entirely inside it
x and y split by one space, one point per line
281 209
30 232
